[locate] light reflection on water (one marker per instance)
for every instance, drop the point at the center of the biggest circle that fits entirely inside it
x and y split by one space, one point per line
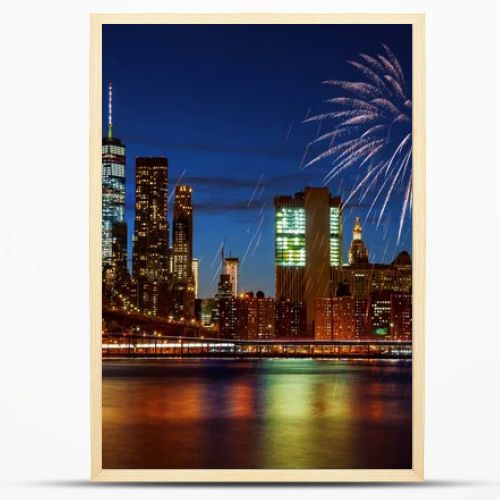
287 413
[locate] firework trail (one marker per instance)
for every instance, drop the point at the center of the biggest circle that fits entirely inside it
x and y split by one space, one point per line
217 254
371 132
257 186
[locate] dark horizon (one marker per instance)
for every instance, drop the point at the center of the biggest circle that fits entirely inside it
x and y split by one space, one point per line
224 99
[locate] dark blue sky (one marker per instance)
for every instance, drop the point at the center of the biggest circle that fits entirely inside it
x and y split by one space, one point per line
225 105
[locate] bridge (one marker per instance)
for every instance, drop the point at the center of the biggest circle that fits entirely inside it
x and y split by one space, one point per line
130 320
124 345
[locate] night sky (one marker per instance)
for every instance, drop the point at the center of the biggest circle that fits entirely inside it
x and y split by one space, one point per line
225 104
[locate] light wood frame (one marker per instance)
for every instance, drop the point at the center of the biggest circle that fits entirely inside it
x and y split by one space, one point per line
259 475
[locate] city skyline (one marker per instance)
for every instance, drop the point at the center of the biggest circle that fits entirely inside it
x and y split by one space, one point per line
236 216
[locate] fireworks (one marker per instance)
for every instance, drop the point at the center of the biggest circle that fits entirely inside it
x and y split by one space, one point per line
371 132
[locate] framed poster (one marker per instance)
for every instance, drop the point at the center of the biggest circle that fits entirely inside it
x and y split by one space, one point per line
257 237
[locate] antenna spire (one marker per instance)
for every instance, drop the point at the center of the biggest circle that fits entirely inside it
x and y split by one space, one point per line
110 110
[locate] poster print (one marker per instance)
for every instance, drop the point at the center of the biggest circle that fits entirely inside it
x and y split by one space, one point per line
256 247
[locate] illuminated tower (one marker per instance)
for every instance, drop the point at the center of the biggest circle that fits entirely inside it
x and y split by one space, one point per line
358 254
196 272
113 194
182 234
183 290
150 264
308 248
232 268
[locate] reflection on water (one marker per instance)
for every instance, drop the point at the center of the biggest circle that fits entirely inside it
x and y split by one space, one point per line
256 414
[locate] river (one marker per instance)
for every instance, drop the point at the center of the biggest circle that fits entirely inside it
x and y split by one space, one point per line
268 413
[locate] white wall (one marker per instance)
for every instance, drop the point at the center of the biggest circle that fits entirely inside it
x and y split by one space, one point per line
44 450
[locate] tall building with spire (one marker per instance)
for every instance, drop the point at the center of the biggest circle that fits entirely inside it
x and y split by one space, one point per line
114 227
358 253
150 260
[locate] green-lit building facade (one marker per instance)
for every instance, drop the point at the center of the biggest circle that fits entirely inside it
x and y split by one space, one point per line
308 249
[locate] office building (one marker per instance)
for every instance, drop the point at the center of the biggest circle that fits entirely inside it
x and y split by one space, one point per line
195 269
323 326
183 280
308 248
151 236
336 316
232 268
380 313
290 319
182 234
113 194
401 316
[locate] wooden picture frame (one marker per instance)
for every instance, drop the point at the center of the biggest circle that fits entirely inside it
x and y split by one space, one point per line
416 473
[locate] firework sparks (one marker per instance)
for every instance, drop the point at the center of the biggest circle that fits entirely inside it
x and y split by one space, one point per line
256 190
371 133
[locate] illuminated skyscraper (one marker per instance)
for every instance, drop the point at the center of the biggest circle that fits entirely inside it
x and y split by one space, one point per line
195 268
358 254
113 190
308 248
232 268
151 234
182 233
183 284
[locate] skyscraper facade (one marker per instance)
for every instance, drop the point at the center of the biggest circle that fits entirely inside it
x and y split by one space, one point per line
308 248
113 189
183 284
182 233
195 269
232 268
151 235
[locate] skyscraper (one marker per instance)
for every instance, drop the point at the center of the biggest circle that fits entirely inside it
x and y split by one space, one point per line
358 254
195 268
183 285
232 268
113 191
182 233
308 248
151 235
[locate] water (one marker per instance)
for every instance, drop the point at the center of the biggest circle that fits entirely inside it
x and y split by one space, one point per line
278 414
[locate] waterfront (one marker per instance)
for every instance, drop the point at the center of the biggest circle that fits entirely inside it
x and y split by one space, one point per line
269 413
